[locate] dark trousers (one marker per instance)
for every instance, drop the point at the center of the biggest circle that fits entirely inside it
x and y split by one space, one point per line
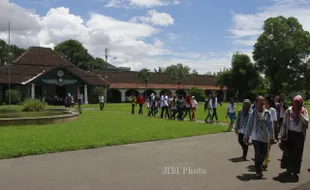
279 127
164 110
101 106
292 155
214 114
173 114
244 146
260 149
140 109
188 111
80 108
180 114
133 108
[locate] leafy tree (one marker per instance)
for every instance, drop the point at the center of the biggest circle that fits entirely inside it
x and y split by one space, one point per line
178 72
15 52
194 72
281 52
160 70
74 52
198 93
145 75
242 77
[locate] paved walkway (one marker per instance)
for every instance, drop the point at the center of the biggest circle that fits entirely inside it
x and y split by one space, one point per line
141 167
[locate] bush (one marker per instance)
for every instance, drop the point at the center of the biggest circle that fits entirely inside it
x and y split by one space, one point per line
93 98
198 93
15 96
33 105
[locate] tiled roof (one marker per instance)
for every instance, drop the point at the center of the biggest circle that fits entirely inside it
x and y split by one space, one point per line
38 60
129 79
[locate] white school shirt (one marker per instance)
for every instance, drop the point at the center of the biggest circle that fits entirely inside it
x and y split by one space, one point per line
273 114
101 99
282 111
296 126
194 104
215 102
162 99
231 108
166 101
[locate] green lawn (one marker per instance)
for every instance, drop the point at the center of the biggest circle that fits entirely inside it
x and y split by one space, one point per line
114 126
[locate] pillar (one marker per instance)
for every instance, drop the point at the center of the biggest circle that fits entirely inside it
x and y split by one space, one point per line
85 94
157 92
225 95
78 91
123 95
32 90
106 94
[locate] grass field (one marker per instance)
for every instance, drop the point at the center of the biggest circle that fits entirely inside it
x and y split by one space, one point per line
113 126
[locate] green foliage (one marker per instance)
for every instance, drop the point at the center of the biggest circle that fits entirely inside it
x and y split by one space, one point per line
194 72
33 105
199 94
178 72
280 53
145 75
15 96
242 77
96 92
74 52
14 52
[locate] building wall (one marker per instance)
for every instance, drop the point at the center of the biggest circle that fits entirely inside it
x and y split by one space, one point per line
1 93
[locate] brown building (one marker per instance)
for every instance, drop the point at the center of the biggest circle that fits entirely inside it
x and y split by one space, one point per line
40 72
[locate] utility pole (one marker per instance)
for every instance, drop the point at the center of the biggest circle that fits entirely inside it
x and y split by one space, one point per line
106 54
9 61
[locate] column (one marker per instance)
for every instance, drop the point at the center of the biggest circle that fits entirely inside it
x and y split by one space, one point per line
85 94
225 95
157 92
123 95
106 94
32 90
78 90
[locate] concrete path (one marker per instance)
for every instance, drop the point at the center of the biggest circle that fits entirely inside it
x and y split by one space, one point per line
141 167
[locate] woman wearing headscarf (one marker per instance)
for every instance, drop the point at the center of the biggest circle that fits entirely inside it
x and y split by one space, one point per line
293 135
241 123
259 128
194 107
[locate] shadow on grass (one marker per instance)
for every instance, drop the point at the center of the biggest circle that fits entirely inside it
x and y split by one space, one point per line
248 177
238 159
285 177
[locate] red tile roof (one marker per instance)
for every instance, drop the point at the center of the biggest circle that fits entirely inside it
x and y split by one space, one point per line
129 79
38 60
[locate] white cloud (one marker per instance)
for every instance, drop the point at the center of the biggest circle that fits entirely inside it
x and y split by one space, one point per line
134 44
140 3
155 18
247 27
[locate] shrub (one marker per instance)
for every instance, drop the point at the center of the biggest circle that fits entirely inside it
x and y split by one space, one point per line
198 93
93 98
15 96
33 105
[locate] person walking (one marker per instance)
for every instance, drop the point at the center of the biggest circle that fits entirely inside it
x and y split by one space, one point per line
164 103
208 107
270 106
283 108
259 128
133 101
173 105
231 113
101 102
293 135
277 126
216 102
79 100
140 101
241 123
188 107
194 108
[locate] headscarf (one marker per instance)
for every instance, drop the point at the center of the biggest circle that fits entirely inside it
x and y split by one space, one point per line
302 110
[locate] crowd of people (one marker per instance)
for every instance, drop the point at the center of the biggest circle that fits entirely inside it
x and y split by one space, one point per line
175 107
270 121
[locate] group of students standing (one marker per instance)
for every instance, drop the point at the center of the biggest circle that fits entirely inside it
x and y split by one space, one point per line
270 121
175 107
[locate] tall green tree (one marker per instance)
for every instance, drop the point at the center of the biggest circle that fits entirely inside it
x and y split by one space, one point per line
280 53
15 52
242 77
74 52
178 72
145 75
194 72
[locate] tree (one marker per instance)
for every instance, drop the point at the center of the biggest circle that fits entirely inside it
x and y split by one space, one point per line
194 72
198 93
242 77
160 70
145 75
74 52
281 52
178 72
94 64
15 52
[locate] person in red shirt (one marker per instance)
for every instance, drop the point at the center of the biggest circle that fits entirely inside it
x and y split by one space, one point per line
140 101
188 107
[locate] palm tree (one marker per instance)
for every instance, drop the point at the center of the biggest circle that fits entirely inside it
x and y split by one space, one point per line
145 75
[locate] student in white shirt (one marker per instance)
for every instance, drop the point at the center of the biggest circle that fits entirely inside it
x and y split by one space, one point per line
164 103
231 113
101 102
194 107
